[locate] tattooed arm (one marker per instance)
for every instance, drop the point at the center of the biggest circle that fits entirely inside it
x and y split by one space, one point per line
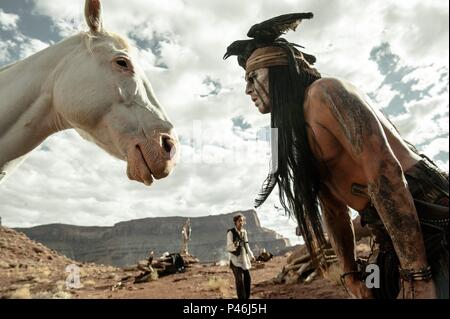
340 232
347 116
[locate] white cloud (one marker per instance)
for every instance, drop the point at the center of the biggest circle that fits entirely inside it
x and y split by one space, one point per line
418 125
422 35
5 47
17 45
8 21
31 46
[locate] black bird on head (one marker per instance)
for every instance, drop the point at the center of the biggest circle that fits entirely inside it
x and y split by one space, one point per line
268 33
273 28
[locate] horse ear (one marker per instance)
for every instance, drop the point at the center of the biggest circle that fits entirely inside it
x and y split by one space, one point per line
93 15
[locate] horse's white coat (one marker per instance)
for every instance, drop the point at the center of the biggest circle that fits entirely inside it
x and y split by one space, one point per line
89 82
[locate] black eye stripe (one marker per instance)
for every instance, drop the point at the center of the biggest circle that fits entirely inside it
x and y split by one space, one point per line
251 78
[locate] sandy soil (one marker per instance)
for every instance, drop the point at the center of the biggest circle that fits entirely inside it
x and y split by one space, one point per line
212 282
31 270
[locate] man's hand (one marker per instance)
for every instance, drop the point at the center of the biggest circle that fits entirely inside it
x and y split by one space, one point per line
423 289
357 288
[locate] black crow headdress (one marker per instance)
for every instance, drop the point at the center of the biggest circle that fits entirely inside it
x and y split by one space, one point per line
267 33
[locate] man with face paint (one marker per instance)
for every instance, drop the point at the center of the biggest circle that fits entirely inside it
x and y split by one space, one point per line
257 85
335 152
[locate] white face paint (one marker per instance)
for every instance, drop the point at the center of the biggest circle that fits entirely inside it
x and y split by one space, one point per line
258 89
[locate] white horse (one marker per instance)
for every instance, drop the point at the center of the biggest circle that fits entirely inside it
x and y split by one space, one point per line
88 82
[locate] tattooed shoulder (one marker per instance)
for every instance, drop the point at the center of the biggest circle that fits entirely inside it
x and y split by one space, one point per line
349 109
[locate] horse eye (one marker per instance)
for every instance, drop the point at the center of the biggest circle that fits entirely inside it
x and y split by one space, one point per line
122 63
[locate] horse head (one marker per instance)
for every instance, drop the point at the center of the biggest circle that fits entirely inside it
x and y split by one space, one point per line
101 91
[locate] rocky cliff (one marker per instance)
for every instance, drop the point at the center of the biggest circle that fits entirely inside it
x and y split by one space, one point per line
127 242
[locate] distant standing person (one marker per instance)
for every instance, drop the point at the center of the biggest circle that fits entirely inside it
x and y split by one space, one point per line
186 232
240 256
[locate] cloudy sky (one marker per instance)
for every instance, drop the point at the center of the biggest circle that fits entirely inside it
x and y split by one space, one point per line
395 51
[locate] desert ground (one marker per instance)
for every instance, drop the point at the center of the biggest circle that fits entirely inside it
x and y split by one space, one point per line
30 270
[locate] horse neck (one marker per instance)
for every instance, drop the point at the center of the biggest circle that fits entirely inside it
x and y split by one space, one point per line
27 117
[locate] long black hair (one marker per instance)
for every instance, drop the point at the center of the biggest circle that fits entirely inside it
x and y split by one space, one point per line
297 173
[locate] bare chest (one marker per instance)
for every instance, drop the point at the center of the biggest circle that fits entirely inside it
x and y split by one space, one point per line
339 172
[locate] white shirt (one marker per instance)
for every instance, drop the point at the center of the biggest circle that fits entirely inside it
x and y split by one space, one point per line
243 260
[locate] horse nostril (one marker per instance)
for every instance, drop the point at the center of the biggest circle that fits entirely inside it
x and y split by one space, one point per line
167 144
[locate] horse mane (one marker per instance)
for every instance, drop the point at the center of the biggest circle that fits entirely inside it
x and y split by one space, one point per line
121 41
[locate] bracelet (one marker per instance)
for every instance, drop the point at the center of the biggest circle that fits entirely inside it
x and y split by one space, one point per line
416 275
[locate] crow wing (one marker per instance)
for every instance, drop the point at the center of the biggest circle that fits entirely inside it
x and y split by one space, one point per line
271 29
